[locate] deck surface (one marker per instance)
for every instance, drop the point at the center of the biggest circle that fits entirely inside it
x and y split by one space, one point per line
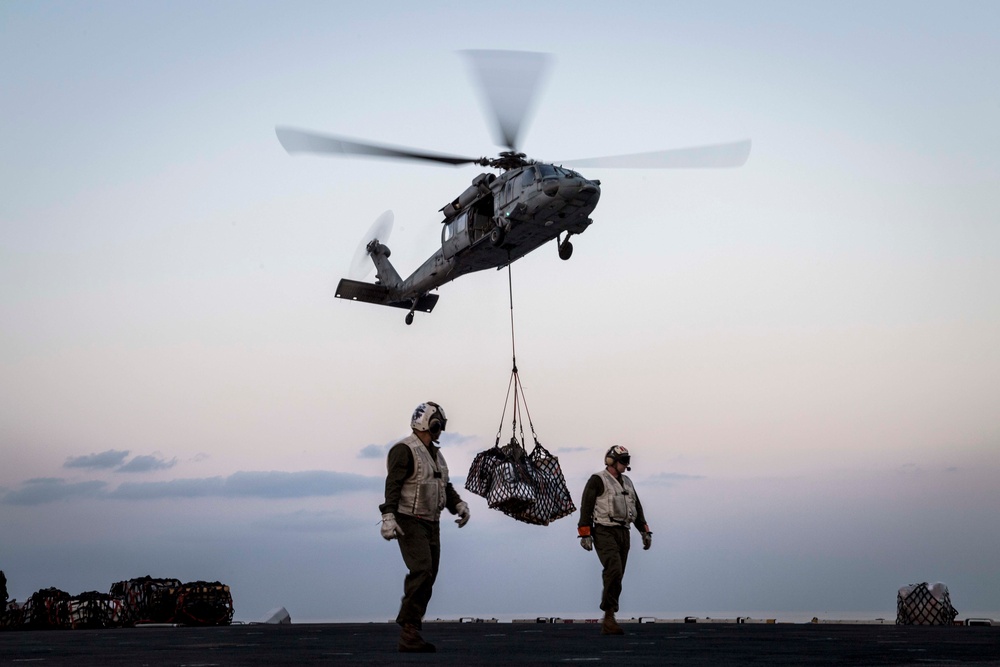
510 644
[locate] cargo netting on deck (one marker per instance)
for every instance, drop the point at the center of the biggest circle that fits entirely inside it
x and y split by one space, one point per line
130 603
47 609
203 603
146 600
526 487
923 604
92 610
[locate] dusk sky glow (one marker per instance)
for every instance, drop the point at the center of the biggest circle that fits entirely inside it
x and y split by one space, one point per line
801 353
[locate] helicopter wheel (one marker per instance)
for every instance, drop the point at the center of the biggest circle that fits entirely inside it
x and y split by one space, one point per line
565 249
409 318
497 236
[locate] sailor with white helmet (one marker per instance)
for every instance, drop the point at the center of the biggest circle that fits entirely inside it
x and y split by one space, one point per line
417 489
609 507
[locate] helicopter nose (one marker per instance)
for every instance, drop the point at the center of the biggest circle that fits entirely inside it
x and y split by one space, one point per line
571 189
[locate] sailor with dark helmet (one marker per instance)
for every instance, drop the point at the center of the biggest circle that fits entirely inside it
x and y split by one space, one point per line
417 489
608 509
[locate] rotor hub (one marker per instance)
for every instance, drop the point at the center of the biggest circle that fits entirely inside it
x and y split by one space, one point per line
507 160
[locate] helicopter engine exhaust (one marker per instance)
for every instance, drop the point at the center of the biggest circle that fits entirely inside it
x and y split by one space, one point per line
480 186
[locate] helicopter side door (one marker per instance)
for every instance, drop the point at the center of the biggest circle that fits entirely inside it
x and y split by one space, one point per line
455 235
510 190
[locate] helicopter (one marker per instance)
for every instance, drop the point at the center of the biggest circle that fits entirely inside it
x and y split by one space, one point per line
502 216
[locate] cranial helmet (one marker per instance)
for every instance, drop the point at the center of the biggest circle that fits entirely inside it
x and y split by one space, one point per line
429 417
617 454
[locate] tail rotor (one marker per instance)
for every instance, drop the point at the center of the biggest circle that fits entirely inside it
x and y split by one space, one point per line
361 264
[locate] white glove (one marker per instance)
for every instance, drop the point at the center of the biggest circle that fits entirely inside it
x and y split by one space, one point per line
587 542
390 529
463 513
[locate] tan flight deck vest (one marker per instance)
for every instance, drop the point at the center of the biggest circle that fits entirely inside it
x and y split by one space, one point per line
616 506
423 493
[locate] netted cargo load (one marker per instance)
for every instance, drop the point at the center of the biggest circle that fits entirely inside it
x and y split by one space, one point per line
93 610
526 487
4 622
146 600
12 616
501 475
553 500
203 603
47 609
924 604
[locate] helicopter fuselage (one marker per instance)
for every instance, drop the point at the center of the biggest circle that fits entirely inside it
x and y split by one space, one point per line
499 218
496 221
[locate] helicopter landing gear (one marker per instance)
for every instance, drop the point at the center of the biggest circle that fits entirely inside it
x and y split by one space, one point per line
409 318
565 248
497 236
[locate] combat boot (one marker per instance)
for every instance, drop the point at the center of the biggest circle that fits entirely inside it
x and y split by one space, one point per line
610 626
410 641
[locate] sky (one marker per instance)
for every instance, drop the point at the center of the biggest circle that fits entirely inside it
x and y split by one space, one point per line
800 353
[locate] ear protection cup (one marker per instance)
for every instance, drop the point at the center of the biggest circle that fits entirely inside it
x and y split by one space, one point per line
617 454
436 421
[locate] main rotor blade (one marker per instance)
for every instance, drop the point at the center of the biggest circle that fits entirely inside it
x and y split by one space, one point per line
508 81
300 141
717 156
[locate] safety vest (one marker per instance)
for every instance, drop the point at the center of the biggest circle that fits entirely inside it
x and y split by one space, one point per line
423 494
616 506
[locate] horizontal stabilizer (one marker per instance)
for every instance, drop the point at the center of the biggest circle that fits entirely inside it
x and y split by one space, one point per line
356 290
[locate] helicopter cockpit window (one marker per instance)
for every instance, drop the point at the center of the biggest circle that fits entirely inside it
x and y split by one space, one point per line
546 171
567 173
529 176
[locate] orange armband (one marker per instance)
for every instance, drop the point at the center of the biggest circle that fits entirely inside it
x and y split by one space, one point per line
584 531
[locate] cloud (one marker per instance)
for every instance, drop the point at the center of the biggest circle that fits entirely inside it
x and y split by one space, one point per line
272 484
146 463
109 459
373 452
571 450
671 478
447 441
51 489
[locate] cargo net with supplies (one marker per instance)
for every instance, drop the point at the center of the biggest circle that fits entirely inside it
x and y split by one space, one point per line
133 602
526 487
924 604
199 603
